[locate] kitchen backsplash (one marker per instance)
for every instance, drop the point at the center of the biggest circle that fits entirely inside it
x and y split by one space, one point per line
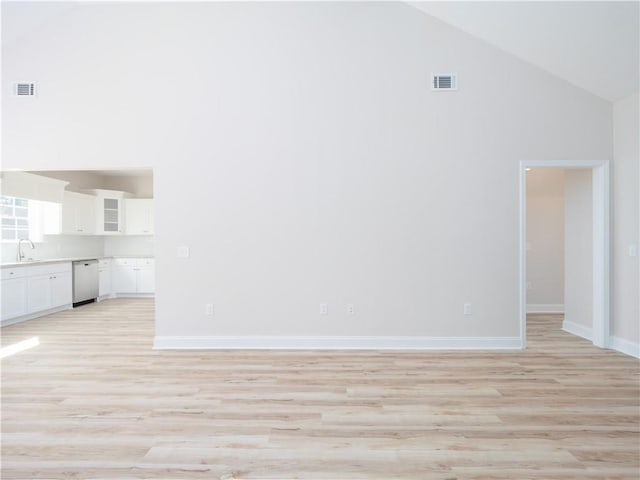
128 245
72 246
56 246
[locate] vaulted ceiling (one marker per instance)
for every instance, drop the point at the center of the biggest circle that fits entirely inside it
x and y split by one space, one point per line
594 45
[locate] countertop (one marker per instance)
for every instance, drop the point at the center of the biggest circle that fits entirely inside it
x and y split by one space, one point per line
71 259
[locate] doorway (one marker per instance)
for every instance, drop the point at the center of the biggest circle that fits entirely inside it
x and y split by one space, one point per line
600 243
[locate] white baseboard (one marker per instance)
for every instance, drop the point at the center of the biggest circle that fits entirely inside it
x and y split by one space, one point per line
545 308
615 343
31 316
336 343
133 295
625 346
577 329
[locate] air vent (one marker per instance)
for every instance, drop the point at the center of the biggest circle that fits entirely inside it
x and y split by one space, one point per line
444 81
25 89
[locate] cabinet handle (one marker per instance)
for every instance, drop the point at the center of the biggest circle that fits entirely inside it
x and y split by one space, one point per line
11 273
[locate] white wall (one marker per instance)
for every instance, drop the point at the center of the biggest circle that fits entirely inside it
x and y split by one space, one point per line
578 289
299 151
545 240
625 303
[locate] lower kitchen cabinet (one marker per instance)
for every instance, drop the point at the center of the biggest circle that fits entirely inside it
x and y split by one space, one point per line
146 281
133 276
104 277
29 290
14 297
61 289
50 290
39 289
124 279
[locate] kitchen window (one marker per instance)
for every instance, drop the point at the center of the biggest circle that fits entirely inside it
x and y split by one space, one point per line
15 218
25 218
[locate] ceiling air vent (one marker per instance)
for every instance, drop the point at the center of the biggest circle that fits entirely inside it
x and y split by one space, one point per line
25 89
444 81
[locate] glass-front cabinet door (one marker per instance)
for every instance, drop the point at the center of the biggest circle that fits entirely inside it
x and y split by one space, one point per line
111 215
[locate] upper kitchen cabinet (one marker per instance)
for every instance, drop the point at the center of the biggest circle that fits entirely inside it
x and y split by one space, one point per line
139 216
78 214
109 211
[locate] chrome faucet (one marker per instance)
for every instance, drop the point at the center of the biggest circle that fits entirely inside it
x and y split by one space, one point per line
20 254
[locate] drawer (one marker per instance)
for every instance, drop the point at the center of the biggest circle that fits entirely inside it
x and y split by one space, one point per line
104 262
16 272
125 262
49 268
134 262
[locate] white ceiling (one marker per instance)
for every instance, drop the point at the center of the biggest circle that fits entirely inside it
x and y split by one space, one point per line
594 45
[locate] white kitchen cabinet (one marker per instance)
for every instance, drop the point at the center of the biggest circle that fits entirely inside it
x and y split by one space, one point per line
139 216
109 211
78 214
14 294
61 289
133 276
39 289
146 281
104 277
49 286
29 290
125 279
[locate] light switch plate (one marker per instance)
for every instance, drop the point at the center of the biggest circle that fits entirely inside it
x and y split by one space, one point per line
183 252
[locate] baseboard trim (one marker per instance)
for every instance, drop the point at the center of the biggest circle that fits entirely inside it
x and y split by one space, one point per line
545 308
335 343
577 329
625 346
132 295
31 316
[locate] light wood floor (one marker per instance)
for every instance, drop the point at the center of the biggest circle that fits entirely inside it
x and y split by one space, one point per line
94 401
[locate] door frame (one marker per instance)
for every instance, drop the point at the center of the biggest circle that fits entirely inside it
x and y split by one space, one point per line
601 192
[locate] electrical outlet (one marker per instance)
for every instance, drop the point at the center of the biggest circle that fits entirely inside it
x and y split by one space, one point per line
208 309
529 285
467 309
324 309
351 309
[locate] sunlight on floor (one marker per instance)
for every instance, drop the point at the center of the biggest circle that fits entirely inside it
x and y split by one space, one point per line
19 347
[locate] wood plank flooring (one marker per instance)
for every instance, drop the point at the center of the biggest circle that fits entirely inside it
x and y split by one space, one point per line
93 401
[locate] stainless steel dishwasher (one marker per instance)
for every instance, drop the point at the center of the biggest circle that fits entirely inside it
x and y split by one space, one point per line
85 282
